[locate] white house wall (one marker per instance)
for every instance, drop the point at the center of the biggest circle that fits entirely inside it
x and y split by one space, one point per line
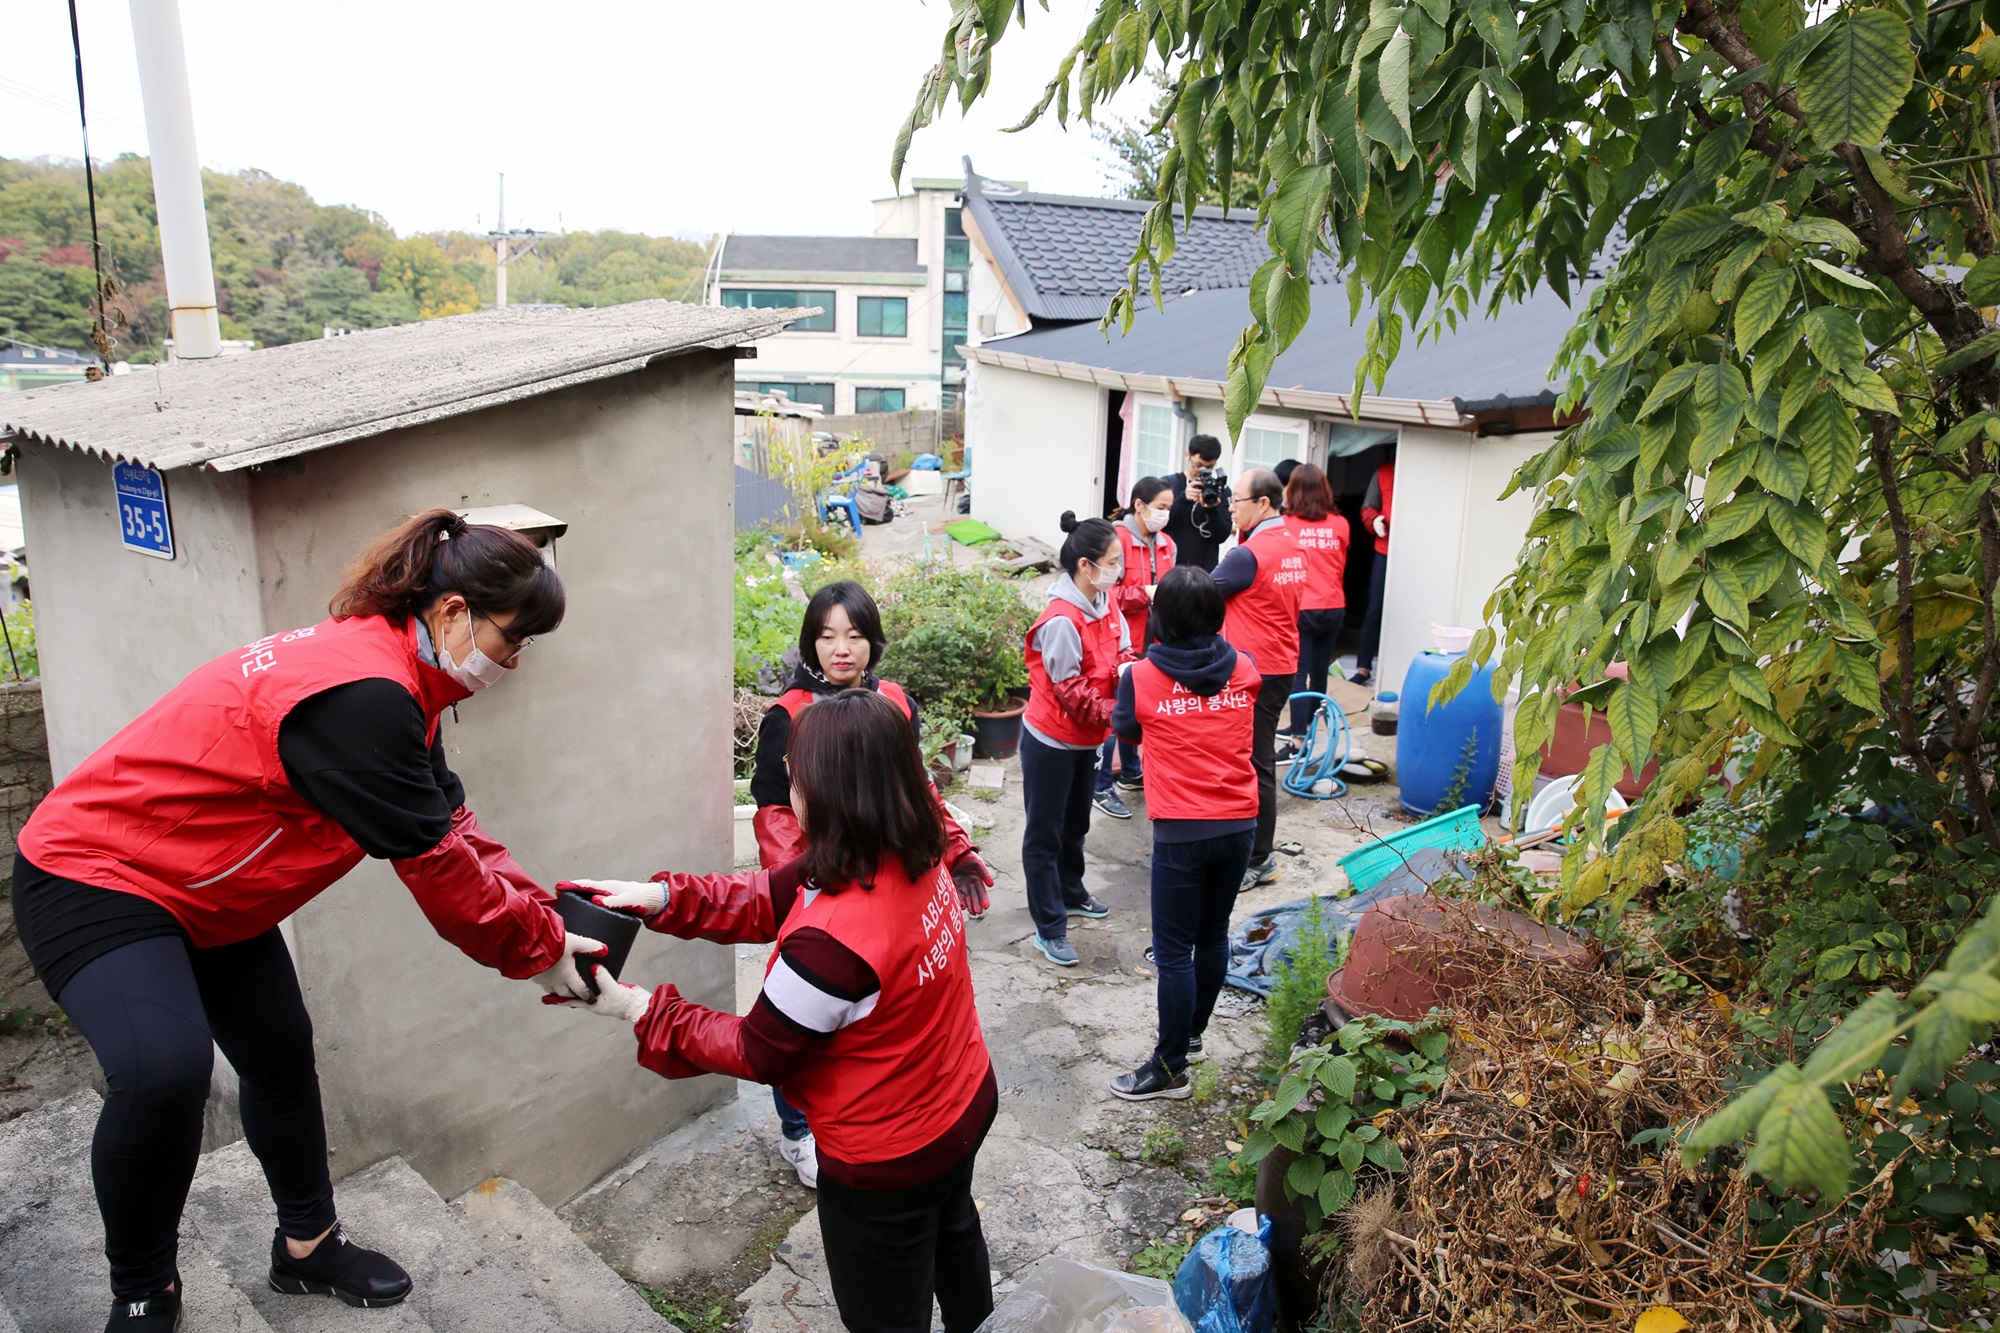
1453 538
117 629
1037 449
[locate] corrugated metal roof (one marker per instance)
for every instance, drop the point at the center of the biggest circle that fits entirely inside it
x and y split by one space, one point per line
818 254
235 411
1504 358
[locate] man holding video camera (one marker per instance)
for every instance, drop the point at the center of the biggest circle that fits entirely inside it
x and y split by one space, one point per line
1199 520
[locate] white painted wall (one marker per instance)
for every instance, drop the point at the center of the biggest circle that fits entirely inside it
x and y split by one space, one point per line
1037 449
1453 538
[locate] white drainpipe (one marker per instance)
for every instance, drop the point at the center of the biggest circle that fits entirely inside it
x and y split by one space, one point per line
163 83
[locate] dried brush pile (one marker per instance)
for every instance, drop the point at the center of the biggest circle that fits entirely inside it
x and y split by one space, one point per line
1544 1190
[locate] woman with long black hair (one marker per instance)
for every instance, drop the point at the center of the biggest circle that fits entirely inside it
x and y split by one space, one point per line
149 885
840 643
866 1018
1073 651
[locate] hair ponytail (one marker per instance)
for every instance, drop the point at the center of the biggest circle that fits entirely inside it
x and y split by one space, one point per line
1087 540
405 570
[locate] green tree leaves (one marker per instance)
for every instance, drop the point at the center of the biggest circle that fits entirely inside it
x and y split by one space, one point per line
1856 78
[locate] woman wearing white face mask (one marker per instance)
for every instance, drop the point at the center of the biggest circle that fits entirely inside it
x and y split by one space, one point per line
149 886
1149 554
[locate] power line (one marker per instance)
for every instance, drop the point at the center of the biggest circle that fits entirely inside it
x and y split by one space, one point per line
100 337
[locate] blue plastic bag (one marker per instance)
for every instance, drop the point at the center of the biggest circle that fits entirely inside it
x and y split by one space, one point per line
927 463
1225 1283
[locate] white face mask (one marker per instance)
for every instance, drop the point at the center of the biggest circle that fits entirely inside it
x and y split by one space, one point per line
479 670
1154 519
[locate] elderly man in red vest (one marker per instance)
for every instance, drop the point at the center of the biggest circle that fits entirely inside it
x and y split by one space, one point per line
1264 579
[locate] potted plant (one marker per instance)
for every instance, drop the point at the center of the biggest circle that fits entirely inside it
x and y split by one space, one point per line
956 641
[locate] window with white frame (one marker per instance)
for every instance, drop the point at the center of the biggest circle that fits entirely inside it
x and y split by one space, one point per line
1156 428
1268 441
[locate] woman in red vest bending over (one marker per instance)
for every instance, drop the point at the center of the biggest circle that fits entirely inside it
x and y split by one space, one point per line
1192 700
866 1019
1321 533
840 641
1074 652
149 886
1149 554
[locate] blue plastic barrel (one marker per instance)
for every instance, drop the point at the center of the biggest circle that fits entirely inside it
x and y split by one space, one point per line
1447 756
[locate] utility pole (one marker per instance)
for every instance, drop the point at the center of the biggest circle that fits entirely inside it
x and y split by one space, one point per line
503 244
184 253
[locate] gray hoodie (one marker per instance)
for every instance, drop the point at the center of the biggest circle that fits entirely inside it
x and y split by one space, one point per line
1061 646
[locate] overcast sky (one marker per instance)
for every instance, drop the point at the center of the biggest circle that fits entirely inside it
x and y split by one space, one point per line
673 117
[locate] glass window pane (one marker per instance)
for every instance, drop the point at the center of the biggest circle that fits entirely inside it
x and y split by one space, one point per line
895 317
953 226
878 400
957 253
820 323
1267 448
735 298
954 308
954 282
1154 425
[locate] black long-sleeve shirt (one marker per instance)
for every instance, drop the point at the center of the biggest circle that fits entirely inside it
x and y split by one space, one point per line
1198 530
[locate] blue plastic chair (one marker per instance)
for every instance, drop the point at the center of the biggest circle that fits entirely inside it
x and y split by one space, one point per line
844 501
958 478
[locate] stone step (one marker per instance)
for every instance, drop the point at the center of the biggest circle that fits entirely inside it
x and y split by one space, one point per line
230 1205
519 1231
53 1277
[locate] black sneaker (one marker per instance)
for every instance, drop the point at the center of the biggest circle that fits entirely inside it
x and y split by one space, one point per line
1089 907
1148 1081
1107 801
157 1313
1286 750
338 1267
1124 783
1194 1046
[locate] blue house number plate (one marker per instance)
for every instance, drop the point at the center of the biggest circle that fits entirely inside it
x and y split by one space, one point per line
143 522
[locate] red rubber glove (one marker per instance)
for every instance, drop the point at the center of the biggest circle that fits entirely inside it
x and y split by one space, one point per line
972 878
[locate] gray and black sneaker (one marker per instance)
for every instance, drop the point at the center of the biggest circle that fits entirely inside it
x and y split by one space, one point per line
1151 1080
338 1267
1107 801
1260 873
1124 783
1089 907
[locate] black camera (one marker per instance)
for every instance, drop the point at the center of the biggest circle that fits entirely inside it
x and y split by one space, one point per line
1214 487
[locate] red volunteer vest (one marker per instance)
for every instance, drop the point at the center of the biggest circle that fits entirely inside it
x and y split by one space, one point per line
1144 566
795 702
189 805
1100 671
1198 749
1385 482
893 1081
1263 619
1325 545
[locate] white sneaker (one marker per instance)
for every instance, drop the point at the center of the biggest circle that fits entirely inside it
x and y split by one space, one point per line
803 1154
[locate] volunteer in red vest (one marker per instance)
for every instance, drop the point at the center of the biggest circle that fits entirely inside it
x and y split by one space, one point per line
1263 580
1192 701
840 641
1377 507
1074 651
1149 554
1321 533
149 886
866 1017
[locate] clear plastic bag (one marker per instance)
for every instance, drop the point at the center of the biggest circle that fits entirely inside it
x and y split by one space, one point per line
1064 1296
1225 1283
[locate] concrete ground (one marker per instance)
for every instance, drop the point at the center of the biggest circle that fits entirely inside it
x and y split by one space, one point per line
1065 1169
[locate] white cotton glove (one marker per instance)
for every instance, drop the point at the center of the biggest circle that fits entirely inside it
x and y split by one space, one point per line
615 999
643 896
563 979
1381 525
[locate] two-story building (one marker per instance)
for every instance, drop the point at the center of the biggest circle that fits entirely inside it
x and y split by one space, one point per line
895 307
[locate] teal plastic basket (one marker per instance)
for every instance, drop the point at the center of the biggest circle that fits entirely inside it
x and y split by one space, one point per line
1458 831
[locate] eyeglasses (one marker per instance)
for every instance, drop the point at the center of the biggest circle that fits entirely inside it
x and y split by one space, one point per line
517 644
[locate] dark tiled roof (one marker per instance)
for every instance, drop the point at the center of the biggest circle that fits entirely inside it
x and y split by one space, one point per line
819 254
1064 257
1504 358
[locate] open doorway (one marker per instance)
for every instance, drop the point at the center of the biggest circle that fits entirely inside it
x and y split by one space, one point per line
1114 448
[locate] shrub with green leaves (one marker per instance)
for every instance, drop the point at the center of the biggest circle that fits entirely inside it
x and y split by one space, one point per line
1330 1094
956 640
1298 984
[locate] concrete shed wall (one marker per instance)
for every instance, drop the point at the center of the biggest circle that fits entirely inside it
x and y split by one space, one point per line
605 755
118 629
1453 538
1037 449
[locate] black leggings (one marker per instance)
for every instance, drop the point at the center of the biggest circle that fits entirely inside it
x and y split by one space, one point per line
154 1012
